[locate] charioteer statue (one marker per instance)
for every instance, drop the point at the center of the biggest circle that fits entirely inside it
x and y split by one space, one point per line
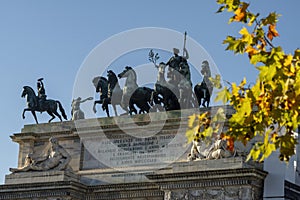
180 76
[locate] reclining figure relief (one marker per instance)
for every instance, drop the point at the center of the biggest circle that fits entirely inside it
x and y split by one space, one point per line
57 158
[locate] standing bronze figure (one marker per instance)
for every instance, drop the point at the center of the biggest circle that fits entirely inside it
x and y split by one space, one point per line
203 90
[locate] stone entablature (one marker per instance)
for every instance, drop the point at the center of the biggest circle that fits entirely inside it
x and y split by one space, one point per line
229 178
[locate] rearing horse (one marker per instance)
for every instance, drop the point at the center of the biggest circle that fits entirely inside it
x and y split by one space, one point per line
49 105
101 85
110 92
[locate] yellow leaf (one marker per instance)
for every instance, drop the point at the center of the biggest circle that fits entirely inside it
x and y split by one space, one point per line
235 90
189 135
243 82
254 153
247 37
269 148
216 81
191 120
223 95
288 60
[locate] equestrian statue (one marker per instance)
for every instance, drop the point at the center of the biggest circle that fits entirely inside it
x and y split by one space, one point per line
110 92
40 103
131 95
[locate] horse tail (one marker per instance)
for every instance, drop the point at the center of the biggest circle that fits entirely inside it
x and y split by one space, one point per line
62 110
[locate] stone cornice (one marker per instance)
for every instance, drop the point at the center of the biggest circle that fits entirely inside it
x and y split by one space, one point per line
225 173
111 123
40 190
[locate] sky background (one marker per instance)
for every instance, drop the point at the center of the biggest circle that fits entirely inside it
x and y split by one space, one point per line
51 39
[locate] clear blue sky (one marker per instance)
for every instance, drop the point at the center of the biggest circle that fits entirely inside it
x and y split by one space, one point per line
51 39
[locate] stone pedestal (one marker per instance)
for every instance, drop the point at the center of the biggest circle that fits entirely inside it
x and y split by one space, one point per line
40 177
135 158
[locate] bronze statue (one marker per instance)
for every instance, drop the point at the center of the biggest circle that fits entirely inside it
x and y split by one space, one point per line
185 85
76 112
179 78
110 92
164 88
203 90
101 85
57 158
134 95
179 75
41 104
114 92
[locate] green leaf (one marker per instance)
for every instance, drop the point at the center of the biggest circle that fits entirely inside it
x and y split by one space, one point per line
232 43
267 73
221 9
272 18
256 58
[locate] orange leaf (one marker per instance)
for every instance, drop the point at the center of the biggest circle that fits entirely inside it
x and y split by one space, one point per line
230 144
251 51
240 13
272 32
230 141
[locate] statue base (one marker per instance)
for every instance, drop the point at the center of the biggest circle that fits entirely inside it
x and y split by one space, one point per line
40 177
120 158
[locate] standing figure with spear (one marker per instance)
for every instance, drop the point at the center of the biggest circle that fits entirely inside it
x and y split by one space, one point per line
180 75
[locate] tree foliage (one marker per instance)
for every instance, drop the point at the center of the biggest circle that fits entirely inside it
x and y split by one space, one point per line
273 100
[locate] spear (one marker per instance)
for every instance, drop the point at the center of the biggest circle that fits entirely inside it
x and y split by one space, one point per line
184 42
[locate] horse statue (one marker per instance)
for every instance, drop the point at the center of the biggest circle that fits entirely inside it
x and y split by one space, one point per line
110 92
132 94
114 91
165 89
48 105
101 85
204 89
